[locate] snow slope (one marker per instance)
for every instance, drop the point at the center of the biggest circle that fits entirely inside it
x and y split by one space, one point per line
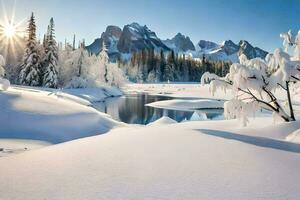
13 146
192 160
49 116
94 94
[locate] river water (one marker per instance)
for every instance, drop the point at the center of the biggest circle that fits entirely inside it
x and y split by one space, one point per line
131 109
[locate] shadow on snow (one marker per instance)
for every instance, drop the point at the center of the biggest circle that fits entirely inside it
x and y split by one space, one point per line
254 140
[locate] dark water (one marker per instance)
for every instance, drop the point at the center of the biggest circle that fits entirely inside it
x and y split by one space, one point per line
131 109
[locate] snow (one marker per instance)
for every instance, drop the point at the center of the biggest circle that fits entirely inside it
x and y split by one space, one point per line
178 90
13 146
185 104
163 120
42 115
163 160
94 94
4 84
294 137
192 160
198 116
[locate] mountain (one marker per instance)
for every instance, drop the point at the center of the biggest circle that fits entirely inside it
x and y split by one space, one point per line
132 38
180 43
207 45
229 51
136 37
110 37
250 51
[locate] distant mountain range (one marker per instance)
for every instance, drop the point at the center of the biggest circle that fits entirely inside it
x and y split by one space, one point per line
135 37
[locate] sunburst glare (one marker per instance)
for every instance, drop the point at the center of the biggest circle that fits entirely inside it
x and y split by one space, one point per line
11 33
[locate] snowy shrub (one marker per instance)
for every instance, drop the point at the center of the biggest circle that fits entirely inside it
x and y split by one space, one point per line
77 82
2 64
151 77
79 69
4 84
72 64
253 83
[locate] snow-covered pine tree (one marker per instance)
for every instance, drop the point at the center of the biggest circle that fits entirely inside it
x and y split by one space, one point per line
30 73
104 57
50 77
74 39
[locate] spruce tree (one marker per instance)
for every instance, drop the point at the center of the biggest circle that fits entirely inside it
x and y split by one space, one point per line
30 73
104 57
162 65
74 39
50 77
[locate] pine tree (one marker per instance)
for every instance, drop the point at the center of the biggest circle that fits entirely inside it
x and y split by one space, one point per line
74 40
45 41
169 71
30 73
50 77
162 65
103 55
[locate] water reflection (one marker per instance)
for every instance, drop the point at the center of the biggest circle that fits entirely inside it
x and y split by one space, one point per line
131 109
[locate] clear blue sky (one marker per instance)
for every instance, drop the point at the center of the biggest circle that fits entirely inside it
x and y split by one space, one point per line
258 21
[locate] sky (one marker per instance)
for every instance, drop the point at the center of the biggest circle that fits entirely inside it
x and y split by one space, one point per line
258 21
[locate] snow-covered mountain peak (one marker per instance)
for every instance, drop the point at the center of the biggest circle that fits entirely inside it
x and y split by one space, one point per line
180 43
229 47
207 45
136 37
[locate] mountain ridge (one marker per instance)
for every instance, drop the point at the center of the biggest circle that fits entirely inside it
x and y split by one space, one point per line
135 37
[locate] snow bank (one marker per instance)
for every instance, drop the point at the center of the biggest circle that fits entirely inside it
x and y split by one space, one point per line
178 161
179 90
94 94
4 84
294 137
163 120
184 104
198 116
41 115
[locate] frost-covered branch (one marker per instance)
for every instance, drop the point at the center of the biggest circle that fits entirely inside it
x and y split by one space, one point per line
254 82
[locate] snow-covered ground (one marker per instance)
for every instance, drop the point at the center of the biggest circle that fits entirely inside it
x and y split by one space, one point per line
163 160
51 116
192 160
13 146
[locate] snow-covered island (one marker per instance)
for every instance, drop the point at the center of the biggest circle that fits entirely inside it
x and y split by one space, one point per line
132 116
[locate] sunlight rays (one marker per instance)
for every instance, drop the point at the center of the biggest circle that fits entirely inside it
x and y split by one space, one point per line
11 33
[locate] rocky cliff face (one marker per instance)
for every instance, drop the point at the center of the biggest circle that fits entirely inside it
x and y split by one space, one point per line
136 37
110 37
250 51
207 45
180 43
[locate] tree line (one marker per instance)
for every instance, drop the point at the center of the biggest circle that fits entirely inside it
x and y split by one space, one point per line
149 65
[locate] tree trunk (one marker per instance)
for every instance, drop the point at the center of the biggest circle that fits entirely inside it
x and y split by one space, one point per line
292 115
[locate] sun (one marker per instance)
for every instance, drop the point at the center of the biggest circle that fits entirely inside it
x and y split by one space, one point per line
9 30
12 33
